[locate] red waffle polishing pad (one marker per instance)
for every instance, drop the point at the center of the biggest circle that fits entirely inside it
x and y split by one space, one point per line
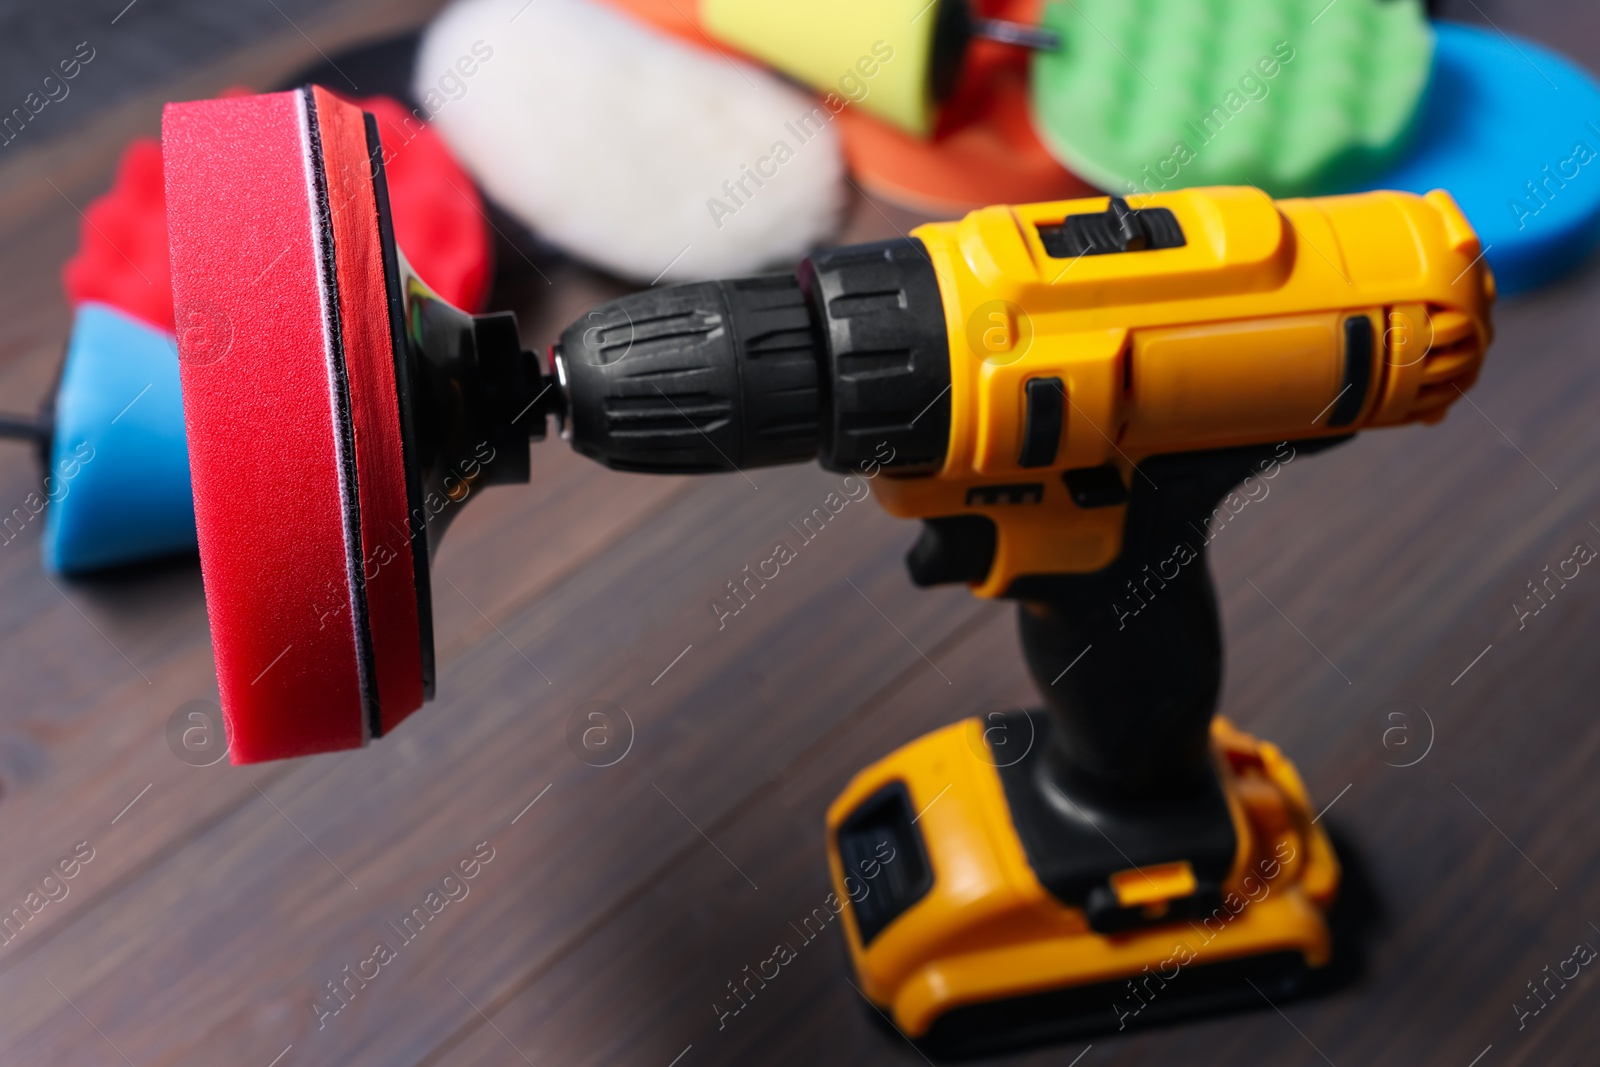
287 360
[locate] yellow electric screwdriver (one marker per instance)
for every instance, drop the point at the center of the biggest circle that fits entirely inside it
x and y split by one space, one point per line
1072 397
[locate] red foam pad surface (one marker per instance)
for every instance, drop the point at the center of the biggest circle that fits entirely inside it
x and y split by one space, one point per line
391 590
254 352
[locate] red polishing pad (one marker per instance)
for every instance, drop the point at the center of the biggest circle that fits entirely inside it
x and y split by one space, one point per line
438 215
438 219
122 244
288 363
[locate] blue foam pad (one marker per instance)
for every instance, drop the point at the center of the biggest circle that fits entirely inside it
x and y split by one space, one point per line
1512 131
118 482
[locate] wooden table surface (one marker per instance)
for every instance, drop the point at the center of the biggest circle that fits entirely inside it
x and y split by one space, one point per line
616 907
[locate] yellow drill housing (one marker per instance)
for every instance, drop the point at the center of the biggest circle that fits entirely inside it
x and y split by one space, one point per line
1238 336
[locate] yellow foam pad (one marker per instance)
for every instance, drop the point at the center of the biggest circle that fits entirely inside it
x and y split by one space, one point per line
876 54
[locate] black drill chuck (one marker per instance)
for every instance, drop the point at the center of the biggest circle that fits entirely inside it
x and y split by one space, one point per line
711 376
833 363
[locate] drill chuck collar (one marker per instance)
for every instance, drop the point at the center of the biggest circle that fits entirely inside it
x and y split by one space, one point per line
832 363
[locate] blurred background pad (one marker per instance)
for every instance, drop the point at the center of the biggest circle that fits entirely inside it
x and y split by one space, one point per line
979 147
118 482
706 166
1512 130
983 149
1144 96
824 43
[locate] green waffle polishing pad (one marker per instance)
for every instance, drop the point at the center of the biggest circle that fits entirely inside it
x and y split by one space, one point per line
1299 97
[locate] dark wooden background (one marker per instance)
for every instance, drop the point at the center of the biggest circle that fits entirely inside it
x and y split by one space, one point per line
616 907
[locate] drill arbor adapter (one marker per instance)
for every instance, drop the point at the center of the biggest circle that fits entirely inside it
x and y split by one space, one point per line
1067 391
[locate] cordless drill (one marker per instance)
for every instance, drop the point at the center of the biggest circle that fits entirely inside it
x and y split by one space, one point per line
1067 394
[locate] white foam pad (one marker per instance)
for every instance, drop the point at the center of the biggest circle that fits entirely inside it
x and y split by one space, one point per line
614 141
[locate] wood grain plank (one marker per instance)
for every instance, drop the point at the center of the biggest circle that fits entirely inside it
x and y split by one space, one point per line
204 925
1398 555
94 667
394 817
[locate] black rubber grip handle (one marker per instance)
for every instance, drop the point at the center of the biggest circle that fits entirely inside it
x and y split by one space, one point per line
1130 657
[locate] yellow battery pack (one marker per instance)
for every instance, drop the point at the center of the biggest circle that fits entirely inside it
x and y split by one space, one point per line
953 936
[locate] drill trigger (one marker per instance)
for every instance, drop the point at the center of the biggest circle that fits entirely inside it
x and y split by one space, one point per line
952 548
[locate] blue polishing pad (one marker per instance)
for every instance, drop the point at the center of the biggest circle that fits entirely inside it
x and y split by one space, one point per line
118 483
1512 131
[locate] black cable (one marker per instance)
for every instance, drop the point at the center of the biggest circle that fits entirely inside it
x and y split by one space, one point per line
22 427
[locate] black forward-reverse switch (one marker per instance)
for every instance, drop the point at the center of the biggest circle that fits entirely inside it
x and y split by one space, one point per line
1119 228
